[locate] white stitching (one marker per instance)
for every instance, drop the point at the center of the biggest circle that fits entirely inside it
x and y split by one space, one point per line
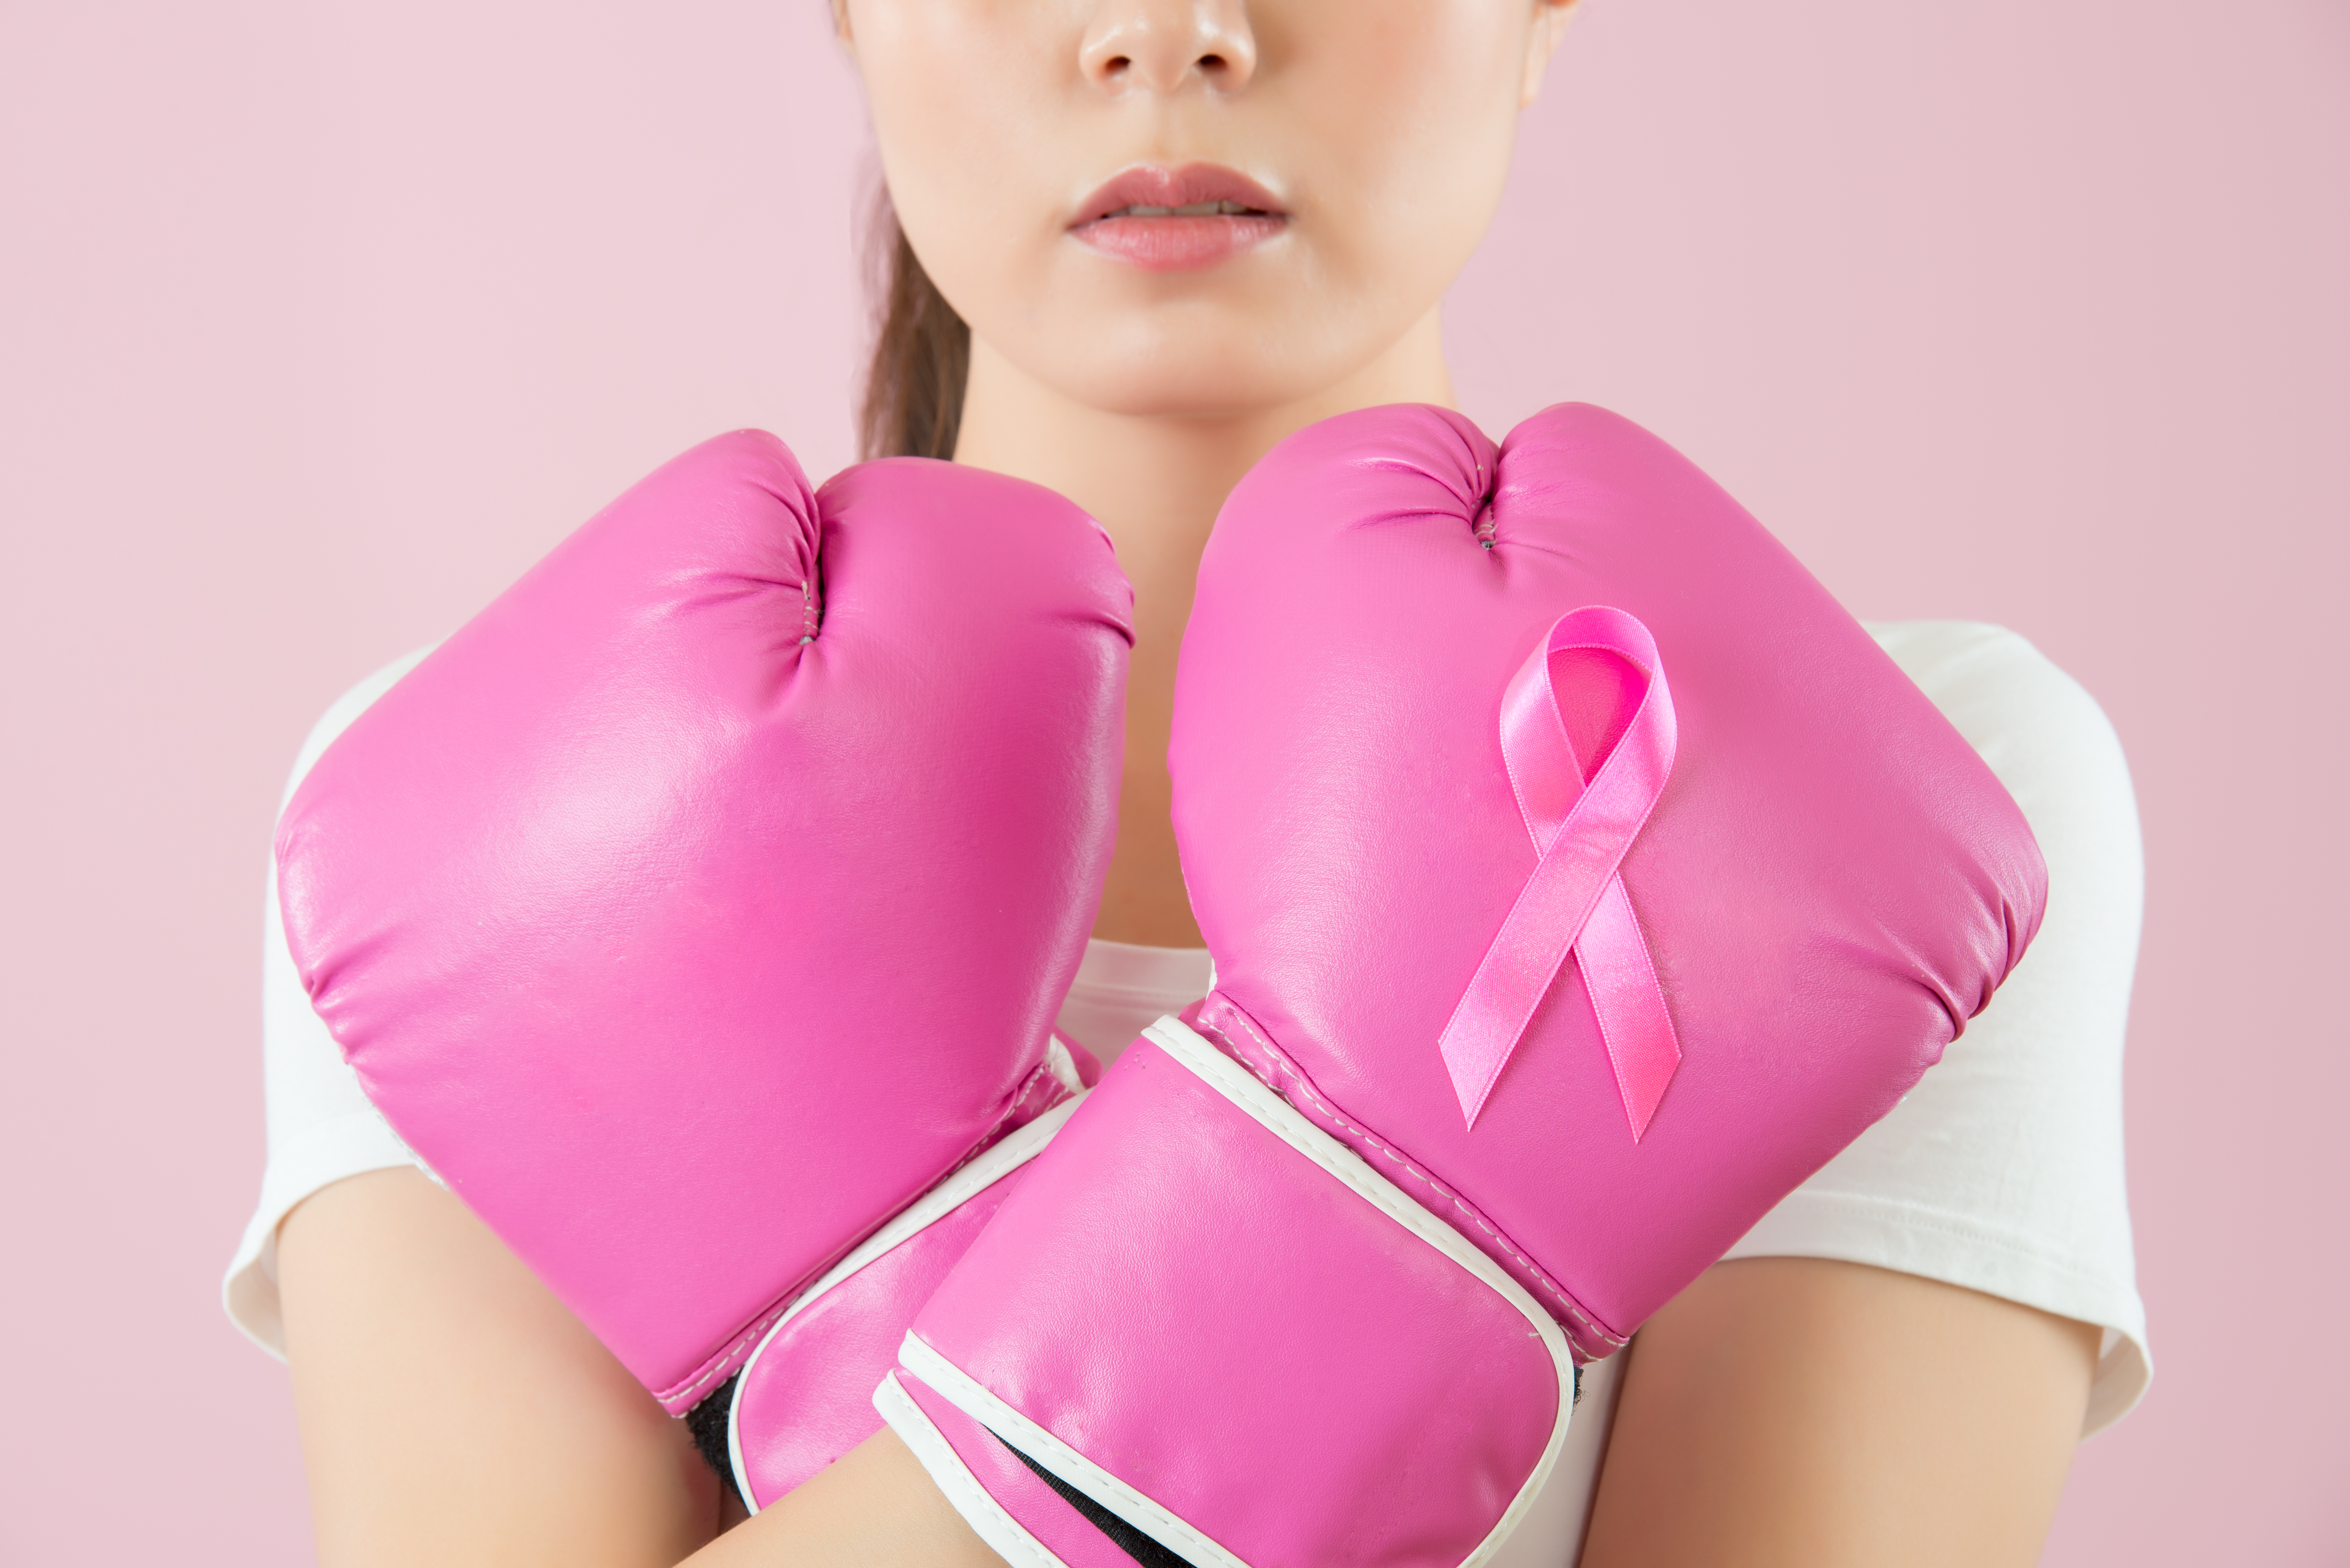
726 1359
1041 1079
1226 1006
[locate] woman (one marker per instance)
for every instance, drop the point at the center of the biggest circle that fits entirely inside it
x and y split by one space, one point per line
1143 240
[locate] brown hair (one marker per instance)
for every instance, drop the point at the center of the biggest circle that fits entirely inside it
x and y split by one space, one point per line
912 404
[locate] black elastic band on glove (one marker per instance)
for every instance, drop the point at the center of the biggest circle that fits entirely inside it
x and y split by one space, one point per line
707 1422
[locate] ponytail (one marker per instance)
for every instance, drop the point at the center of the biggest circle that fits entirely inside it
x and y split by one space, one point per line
912 405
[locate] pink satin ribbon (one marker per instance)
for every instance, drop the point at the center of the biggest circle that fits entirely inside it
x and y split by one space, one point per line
1575 900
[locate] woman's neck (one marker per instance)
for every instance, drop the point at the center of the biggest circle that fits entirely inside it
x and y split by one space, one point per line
1156 482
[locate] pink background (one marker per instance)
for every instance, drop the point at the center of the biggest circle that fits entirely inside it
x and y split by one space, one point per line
319 322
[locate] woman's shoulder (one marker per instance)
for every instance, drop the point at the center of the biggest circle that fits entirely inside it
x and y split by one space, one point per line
2001 1170
343 711
2037 727
1993 683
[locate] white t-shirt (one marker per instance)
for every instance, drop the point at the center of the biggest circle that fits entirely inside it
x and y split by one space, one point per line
2002 1171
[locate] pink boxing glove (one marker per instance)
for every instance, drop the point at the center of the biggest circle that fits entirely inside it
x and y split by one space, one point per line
707 898
1580 878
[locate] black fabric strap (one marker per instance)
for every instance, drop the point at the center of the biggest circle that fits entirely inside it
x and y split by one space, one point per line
707 1422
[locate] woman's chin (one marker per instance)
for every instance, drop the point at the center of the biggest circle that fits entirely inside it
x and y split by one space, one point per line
1194 385
1183 365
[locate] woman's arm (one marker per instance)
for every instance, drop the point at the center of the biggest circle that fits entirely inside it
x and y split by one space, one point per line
1780 1410
453 1412
1797 1410
875 1505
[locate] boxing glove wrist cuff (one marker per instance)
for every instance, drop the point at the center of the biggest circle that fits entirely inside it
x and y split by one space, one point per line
1223 1325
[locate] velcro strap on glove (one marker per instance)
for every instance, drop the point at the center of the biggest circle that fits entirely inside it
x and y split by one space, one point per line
1222 1326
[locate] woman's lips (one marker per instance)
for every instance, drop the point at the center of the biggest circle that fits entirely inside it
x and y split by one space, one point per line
1174 219
1177 243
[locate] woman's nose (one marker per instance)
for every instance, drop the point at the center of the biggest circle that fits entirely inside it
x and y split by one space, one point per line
1162 45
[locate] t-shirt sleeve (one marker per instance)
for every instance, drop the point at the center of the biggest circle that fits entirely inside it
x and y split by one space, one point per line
322 1126
2001 1170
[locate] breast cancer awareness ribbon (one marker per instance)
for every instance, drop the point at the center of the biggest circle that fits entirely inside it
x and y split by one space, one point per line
1575 900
